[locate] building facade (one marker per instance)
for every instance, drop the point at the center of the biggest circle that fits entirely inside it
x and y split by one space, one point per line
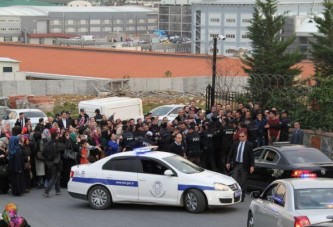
231 18
175 19
17 22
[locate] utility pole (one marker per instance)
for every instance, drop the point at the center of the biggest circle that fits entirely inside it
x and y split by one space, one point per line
213 71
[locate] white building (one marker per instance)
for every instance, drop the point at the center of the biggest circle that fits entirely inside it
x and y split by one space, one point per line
10 69
232 17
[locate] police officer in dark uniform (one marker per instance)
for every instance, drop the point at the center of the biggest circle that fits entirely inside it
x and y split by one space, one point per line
165 136
217 143
128 137
206 140
141 142
285 124
227 132
139 132
193 151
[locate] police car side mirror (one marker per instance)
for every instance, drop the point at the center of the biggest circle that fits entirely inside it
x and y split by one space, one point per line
168 172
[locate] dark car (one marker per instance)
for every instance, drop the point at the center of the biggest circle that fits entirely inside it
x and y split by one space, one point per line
288 161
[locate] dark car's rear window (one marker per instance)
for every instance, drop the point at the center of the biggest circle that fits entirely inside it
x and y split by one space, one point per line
306 155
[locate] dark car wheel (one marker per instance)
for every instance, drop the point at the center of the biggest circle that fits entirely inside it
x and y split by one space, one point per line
194 201
99 198
250 220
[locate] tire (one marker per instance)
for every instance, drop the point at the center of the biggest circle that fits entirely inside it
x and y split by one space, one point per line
195 201
250 220
99 198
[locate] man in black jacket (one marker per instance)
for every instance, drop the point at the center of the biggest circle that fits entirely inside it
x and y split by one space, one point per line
241 157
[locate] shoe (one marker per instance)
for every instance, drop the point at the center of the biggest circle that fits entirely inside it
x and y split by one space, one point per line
46 195
242 200
58 193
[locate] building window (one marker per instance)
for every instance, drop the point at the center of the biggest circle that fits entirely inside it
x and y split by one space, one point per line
152 20
213 35
70 22
231 20
245 36
107 29
82 21
230 51
118 29
8 39
119 21
230 36
216 20
107 21
56 22
142 21
7 69
130 21
70 29
130 28
95 21
152 27
142 28
82 29
246 20
95 29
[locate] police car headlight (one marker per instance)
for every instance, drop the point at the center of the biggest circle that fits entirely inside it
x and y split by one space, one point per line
221 187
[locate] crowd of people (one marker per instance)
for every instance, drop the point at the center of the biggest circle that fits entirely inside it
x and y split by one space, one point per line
42 157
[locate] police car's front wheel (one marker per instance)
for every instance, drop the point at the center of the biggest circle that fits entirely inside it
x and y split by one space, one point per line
99 198
195 201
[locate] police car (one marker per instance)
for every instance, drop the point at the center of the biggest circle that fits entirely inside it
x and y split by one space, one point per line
151 177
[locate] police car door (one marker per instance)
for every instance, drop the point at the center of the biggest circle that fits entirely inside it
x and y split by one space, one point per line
154 186
121 175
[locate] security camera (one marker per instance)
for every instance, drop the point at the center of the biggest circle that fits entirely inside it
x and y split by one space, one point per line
221 37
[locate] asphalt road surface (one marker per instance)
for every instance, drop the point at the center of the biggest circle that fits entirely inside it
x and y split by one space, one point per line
64 211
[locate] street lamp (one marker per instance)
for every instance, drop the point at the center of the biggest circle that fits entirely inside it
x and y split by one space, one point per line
219 37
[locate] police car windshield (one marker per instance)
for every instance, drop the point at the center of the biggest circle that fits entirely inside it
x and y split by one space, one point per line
183 165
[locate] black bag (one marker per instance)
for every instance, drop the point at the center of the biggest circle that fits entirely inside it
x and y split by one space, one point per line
50 151
69 154
4 170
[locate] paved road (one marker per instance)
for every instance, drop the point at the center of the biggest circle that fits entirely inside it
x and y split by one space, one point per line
64 211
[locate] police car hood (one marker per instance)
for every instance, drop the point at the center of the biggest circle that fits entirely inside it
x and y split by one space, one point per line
216 177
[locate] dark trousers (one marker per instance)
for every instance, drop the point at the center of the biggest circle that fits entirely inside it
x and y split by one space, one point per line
55 178
207 159
240 175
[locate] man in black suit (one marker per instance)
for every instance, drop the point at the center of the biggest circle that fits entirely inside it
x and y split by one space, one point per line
298 134
64 122
21 120
241 158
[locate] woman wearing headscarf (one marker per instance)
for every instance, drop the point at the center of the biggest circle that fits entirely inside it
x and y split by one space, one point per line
24 143
11 219
39 160
16 163
4 183
46 137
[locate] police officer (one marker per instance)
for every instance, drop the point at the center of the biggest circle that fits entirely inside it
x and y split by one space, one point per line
206 141
285 124
227 132
193 145
127 137
141 142
165 136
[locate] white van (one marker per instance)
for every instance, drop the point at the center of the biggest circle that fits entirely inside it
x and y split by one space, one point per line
123 107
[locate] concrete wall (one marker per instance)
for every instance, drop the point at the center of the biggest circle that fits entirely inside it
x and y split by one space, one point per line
195 85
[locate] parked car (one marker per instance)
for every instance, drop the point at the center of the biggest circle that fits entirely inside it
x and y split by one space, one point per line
151 177
293 203
284 161
33 114
169 111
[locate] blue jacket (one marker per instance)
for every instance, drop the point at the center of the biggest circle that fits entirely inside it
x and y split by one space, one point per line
112 148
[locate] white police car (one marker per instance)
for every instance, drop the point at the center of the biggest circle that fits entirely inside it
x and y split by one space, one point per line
153 177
